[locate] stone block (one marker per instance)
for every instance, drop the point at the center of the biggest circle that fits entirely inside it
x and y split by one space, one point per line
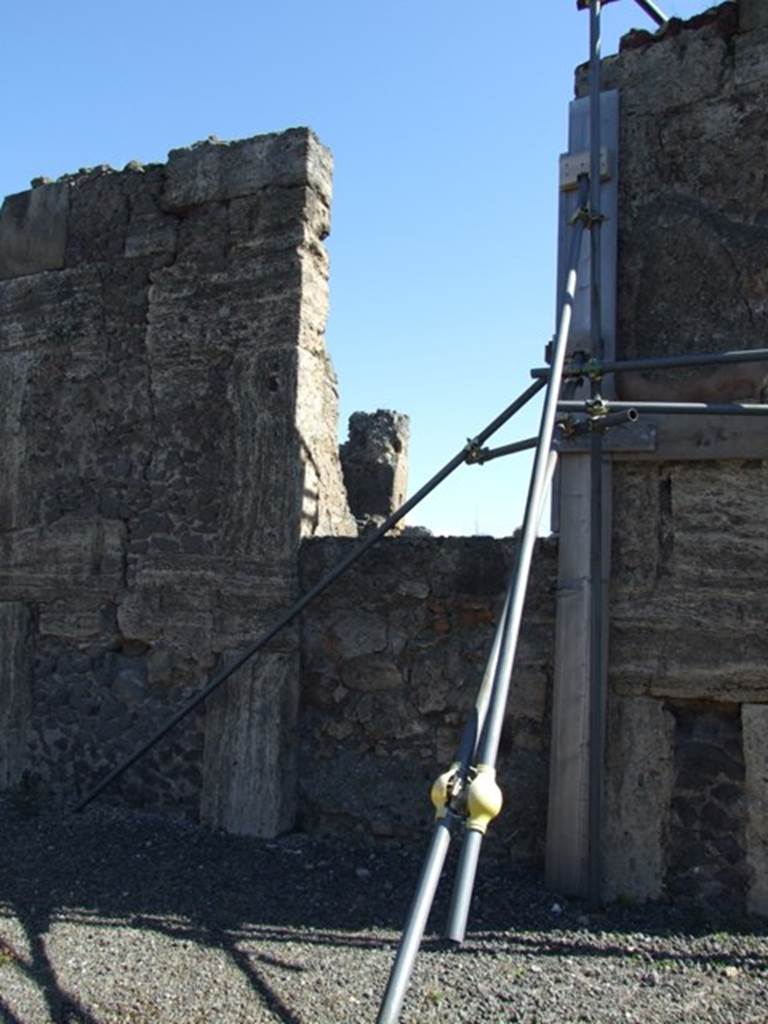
79 558
15 689
250 761
754 723
639 778
33 231
214 171
98 217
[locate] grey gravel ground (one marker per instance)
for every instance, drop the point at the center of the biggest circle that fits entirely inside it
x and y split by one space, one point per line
112 917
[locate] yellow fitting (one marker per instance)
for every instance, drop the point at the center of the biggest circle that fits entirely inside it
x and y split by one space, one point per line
484 798
442 790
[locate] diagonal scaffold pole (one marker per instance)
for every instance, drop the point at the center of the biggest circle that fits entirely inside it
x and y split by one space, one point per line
450 793
461 457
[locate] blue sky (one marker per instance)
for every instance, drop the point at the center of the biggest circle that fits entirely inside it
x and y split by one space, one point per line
445 119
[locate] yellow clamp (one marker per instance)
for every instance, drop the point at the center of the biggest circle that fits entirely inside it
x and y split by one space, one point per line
484 798
443 790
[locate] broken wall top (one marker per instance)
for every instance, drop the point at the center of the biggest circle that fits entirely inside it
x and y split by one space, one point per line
100 213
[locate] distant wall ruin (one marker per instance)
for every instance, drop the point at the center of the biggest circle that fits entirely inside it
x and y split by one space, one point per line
169 467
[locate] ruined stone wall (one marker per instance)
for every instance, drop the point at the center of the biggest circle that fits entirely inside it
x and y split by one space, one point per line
688 646
168 417
392 657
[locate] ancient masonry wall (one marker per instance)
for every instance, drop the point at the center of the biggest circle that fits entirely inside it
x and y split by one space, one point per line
688 646
168 423
167 415
393 655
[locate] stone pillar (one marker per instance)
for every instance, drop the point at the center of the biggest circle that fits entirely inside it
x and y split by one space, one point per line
639 779
754 724
168 437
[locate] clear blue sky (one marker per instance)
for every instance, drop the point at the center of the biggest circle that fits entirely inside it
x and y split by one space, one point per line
445 120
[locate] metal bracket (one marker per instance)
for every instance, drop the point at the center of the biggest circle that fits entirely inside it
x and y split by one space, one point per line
575 165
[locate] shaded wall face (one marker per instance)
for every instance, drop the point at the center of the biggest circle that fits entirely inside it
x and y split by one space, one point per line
392 656
168 424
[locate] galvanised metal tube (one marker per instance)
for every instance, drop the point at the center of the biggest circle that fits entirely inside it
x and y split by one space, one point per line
596 682
601 423
596 673
596 318
651 9
672 408
416 923
756 355
491 733
463 886
411 939
295 610
466 870
508 449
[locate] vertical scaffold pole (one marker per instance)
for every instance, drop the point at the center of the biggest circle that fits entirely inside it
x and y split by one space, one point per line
597 675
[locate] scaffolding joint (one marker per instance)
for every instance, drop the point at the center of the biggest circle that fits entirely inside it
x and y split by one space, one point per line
447 791
596 408
586 216
484 798
473 452
474 455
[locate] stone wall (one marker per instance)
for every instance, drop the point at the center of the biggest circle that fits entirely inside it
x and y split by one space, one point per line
688 647
168 417
392 656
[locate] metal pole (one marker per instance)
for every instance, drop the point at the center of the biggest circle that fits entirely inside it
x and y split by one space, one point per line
507 633
488 454
651 9
672 408
296 609
466 871
489 742
416 922
544 463
756 355
596 674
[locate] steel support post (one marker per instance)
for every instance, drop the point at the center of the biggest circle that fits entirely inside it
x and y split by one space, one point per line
597 682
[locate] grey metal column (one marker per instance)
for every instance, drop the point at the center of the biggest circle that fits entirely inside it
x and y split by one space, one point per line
568 820
597 687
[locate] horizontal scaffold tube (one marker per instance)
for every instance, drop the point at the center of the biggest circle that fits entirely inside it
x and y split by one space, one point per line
295 610
672 408
596 368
